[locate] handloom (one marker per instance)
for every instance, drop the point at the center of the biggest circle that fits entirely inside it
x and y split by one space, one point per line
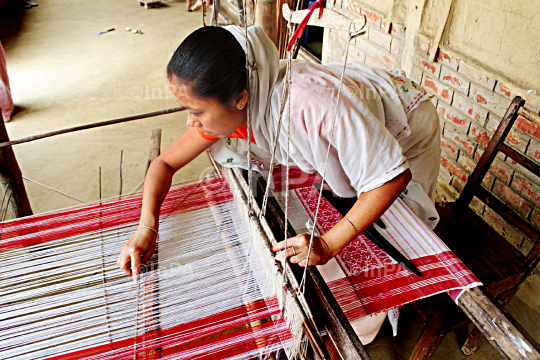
206 295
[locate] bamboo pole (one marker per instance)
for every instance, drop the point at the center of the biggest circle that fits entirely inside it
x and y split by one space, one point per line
266 17
11 178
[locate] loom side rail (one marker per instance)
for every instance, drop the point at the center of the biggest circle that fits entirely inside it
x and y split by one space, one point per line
318 294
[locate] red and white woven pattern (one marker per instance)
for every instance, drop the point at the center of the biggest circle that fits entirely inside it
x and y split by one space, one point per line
363 278
208 297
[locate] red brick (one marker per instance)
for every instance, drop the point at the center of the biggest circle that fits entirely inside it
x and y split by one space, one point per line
515 201
488 181
517 139
455 80
416 74
476 75
380 38
479 134
523 171
421 43
450 147
478 153
357 53
444 175
351 5
431 67
466 106
371 61
449 60
458 185
510 91
390 60
488 99
437 87
462 141
526 188
535 218
372 16
502 170
398 30
454 169
492 122
533 150
527 127
477 206
509 232
459 120
370 48
468 163
396 47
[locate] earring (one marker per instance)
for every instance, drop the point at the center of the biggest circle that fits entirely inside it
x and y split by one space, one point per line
239 106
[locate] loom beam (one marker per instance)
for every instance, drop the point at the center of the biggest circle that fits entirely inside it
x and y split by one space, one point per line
332 317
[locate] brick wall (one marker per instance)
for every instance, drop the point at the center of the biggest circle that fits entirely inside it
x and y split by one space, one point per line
470 103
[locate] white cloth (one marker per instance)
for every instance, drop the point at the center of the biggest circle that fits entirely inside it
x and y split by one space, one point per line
377 126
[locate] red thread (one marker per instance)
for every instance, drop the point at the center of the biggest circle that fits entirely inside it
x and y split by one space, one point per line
321 4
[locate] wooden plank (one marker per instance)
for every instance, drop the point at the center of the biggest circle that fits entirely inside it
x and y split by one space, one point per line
11 178
525 161
339 328
529 115
508 214
445 13
489 154
330 19
498 326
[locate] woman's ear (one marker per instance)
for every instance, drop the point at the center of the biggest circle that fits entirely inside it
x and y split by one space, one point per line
242 98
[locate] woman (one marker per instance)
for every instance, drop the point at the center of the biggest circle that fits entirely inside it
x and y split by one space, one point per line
386 136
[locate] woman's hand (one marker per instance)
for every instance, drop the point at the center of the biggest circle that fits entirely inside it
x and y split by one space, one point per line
298 247
136 251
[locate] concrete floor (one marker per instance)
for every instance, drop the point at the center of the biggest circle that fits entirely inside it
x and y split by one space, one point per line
62 75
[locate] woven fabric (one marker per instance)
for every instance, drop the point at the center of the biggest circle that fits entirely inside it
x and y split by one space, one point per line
363 278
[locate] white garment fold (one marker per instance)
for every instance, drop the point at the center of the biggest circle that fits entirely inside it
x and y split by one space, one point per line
385 124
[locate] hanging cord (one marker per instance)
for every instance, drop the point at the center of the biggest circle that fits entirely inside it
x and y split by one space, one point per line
249 69
288 84
285 98
352 34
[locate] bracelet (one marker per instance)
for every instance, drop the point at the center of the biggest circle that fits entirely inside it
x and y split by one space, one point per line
350 223
327 247
149 227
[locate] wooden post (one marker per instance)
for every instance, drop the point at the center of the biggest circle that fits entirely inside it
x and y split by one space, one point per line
266 17
11 178
494 322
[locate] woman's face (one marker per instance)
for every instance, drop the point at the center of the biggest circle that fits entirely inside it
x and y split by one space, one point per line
209 115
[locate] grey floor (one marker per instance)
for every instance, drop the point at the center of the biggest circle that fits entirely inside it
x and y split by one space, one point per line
62 74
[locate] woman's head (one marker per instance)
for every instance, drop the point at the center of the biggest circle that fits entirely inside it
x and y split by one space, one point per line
207 74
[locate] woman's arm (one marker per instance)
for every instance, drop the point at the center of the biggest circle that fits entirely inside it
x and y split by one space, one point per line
140 247
369 207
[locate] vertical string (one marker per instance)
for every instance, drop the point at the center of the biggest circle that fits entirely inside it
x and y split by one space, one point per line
249 69
103 279
352 35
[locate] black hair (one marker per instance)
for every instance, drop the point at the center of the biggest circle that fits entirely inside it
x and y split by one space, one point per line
212 62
